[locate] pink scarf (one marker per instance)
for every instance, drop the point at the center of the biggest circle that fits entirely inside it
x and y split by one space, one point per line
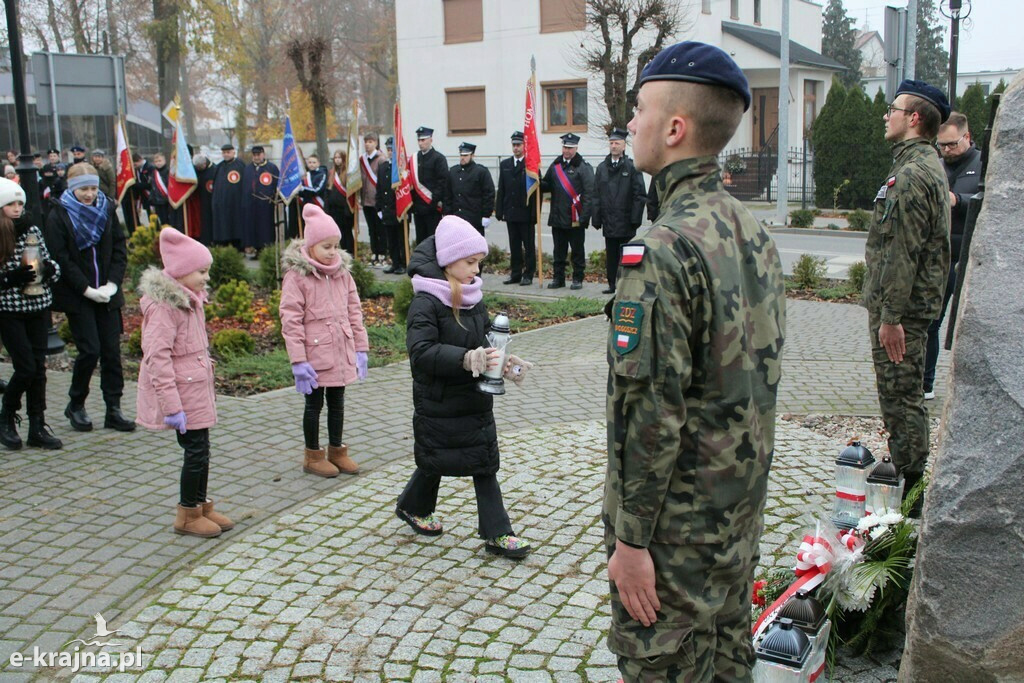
327 269
472 294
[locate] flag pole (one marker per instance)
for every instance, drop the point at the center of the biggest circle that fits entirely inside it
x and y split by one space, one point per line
405 227
355 233
298 211
540 243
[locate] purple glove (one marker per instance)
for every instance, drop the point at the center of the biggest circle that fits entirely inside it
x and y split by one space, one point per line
305 377
177 421
362 364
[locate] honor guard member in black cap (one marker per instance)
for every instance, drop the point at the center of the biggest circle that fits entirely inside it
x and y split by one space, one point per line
470 190
570 180
51 185
907 255
384 202
259 187
53 156
694 349
430 186
227 199
77 154
520 218
619 201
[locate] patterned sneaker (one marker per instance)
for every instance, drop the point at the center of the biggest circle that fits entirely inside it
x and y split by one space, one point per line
427 526
508 546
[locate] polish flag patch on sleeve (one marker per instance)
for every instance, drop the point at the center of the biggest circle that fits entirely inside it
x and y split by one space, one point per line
632 254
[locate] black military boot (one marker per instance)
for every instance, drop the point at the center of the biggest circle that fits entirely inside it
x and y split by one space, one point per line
79 419
40 435
556 284
576 284
116 420
9 430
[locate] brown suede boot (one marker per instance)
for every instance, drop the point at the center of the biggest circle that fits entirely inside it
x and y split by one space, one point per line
338 456
220 520
316 463
190 521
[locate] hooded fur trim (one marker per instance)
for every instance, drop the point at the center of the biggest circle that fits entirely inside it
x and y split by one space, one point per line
163 288
292 259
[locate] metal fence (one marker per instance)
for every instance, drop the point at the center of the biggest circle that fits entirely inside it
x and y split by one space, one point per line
751 175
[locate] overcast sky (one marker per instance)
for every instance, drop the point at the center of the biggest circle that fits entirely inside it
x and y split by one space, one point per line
989 40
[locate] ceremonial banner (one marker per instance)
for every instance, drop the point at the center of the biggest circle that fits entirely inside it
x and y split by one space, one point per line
530 140
354 181
182 180
400 181
291 170
125 167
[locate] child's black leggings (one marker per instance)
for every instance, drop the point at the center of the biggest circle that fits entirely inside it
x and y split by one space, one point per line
195 469
335 416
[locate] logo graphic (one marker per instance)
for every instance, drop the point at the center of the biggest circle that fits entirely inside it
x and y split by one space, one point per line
233 177
79 658
266 178
101 632
209 186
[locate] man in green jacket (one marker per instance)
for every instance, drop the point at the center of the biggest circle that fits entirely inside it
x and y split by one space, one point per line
694 350
907 255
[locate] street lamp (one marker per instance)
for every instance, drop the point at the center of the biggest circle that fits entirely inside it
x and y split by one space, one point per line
230 132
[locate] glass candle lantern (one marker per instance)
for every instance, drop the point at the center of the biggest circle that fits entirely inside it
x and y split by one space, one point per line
808 615
852 467
31 256
491 381
783 655
885 488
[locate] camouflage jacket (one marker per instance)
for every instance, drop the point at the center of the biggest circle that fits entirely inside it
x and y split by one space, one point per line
907 251
695 351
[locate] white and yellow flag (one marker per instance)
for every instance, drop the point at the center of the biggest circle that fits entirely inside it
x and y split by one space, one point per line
354 179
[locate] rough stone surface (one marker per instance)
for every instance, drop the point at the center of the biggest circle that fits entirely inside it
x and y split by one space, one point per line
966 609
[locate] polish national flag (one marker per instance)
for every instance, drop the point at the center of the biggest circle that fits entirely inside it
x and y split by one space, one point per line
622 341
125 168
632 254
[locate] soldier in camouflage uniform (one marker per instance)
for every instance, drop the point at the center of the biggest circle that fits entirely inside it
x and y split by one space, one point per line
907 257
694 351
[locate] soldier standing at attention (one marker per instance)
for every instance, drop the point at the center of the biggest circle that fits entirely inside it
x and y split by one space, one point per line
430 182
694 351
907 255
470 190
619 202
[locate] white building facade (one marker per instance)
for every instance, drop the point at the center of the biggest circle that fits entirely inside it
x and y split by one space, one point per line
463 66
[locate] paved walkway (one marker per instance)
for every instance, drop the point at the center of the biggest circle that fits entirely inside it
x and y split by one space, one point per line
318 579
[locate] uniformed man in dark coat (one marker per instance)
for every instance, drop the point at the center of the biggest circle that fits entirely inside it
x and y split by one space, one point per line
962 161
619 200
205 172
158 199
259 187
51 185
520 218
428 196
77 155
470 190
384 202
227 199
570 180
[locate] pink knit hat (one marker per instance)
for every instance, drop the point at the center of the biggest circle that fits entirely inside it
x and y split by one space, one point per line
455 238
181 254
319 226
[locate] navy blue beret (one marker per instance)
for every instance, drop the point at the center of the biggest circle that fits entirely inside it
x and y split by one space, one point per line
697 63
928 93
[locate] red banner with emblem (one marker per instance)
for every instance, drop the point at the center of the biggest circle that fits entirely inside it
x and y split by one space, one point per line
400 180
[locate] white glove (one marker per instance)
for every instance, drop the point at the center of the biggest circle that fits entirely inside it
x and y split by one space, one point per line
109 289
96 295
380 215
485 222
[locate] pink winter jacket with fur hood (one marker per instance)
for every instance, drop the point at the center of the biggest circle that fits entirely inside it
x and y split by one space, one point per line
176 372
321 319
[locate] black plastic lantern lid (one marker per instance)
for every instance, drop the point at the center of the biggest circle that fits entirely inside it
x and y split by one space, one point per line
805 612
885 472
855 455
785 644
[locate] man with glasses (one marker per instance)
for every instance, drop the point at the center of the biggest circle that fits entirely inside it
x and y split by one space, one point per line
963 171
907 256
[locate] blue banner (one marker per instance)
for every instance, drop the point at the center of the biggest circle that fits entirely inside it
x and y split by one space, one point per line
291 170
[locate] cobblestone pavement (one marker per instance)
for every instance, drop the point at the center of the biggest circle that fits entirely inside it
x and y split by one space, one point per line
87 529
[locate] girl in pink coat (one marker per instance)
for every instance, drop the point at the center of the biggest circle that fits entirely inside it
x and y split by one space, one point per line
322 324
176 376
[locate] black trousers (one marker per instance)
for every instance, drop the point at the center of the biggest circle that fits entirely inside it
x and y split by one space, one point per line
420 498
396 244
521 242
566 238
613 253
343 217
195 469
96 329
163 213
378 237
426 224
931 349
24 337
335 416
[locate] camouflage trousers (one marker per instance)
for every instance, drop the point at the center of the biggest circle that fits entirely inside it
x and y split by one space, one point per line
703 628
901 395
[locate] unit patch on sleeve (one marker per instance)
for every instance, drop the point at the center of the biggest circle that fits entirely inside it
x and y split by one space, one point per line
627 320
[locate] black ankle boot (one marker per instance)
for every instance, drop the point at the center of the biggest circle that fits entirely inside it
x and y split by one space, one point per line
40 435
78 418
9 430
116 420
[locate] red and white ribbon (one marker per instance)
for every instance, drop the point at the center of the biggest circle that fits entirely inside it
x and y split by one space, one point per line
850 540
813 561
